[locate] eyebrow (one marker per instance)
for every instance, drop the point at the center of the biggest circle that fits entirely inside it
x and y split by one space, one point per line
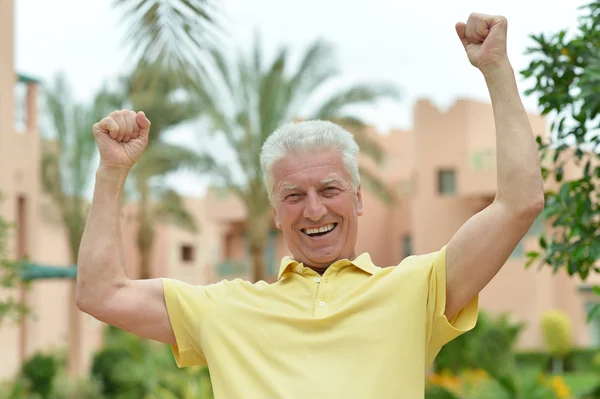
332 180
284 187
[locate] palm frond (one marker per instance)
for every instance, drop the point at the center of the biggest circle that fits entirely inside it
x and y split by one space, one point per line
317 66
160 159
50 169
355 95
173 32
171 208
220 173
247 100
272 97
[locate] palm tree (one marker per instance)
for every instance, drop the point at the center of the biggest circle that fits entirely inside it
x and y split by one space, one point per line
67 163
246 100
160 92
176 33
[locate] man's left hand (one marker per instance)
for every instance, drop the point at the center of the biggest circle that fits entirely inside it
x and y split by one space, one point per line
484 40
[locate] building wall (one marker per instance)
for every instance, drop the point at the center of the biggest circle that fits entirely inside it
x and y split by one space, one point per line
37 235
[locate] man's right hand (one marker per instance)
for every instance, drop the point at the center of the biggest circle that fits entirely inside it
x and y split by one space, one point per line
121 138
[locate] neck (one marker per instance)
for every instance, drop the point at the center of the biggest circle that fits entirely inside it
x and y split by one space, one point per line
323 269
320 270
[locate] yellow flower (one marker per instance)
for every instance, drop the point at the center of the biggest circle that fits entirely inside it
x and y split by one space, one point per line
560 388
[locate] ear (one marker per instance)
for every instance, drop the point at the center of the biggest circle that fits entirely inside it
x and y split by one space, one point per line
359 208
277 222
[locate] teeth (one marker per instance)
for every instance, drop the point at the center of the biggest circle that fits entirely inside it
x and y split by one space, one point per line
320 229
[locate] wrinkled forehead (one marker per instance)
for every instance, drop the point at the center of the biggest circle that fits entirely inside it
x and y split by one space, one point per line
330 180
302 171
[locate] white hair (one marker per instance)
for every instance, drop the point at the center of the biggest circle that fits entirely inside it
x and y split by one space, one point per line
308 136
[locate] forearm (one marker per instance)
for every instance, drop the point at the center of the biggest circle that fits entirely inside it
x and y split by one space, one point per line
518 167
101 262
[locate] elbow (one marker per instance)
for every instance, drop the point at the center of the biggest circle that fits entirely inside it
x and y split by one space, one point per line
533 208
93 301
527 210
532 211
81 301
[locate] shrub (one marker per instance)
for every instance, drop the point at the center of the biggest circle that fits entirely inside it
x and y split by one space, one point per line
489 344
66 388
39 371
110 367
557 332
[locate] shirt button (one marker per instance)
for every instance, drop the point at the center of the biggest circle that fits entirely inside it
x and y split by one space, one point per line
317 280
299 270
321 303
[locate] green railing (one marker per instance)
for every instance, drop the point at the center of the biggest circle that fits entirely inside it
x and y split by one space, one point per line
230 268
32 271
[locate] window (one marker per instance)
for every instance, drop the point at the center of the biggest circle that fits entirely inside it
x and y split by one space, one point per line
20 93
187 253
446 181
407 245
22 232
270 253
594 326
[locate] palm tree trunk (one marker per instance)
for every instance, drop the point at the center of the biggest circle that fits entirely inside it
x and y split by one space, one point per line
75 322
258 235
145 235
145 250
257 252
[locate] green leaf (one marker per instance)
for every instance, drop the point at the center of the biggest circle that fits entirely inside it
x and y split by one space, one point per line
593 313
559 174
177 33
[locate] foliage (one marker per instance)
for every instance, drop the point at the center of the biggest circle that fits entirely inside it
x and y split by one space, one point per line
565 71
557 332
69 388
131 367
69 155
63 386
109 368
166 101
578 360
176 33
245 99
9 277
481 364
488 345
39 372
477 384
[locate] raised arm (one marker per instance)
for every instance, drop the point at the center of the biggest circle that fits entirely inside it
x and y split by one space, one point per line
103 289
482 246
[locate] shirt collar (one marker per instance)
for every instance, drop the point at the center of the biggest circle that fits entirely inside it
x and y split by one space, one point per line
363 262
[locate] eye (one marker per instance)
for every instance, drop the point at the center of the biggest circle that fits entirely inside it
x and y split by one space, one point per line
331 191
292 197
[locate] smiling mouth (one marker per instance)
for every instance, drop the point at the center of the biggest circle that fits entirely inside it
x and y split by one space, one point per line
321 231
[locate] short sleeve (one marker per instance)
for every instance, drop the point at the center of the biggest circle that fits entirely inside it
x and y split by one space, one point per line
440 330
187 305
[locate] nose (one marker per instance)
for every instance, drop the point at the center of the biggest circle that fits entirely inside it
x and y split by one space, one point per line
314 208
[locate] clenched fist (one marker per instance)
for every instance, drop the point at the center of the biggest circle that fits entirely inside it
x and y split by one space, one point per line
121 138
484 40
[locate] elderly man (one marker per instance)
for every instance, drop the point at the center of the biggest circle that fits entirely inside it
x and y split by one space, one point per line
334 325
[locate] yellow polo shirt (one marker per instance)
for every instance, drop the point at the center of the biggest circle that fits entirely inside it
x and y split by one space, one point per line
358 331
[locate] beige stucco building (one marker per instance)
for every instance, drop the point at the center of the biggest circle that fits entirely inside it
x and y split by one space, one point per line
443 170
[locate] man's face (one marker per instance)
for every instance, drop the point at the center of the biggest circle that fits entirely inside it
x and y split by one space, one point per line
316 207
